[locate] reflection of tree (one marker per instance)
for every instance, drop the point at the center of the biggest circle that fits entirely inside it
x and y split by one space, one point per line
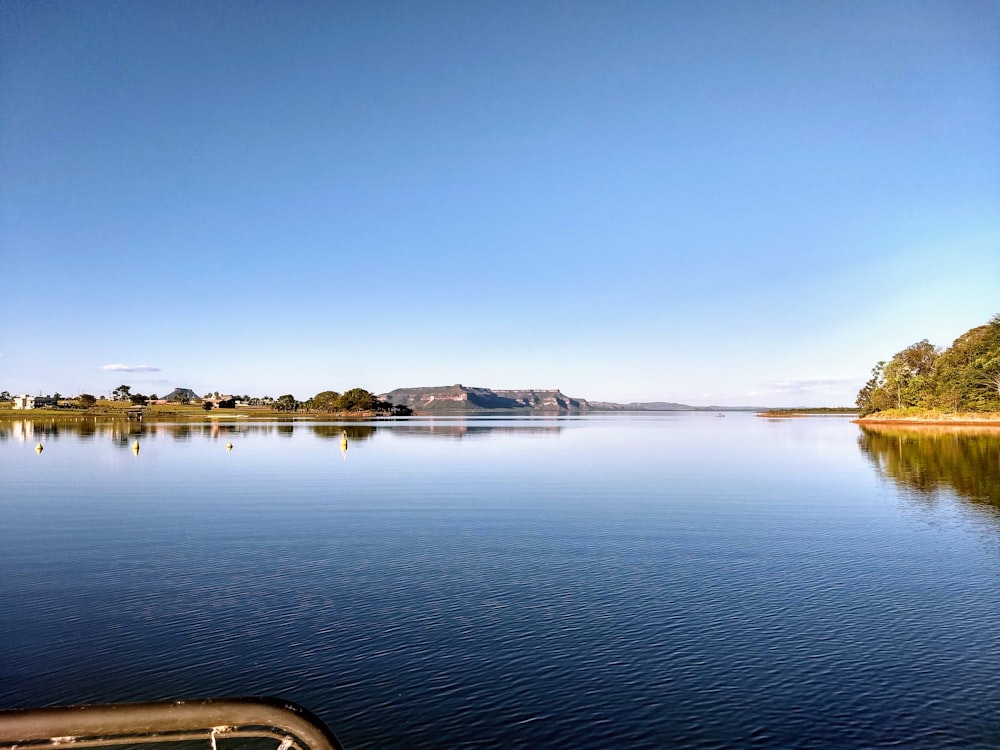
126 431
354 431
930 459
123 433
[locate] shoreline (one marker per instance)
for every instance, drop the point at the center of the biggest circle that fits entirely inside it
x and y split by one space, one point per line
932 422
185 416
968 419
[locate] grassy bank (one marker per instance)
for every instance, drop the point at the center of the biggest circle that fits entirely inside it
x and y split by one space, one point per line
173 412
915 415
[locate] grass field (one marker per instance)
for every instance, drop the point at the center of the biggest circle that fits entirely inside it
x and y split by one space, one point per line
69 410
915 415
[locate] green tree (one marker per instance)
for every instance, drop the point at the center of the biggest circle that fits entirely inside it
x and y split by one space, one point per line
967 373
206 405
86 400
5 396
908 375
873 396
121 393
964 377
286 403
357 399
137 399
325 401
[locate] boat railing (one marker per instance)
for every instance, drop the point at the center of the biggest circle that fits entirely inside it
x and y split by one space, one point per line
209 724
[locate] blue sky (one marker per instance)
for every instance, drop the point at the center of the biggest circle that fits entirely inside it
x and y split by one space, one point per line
706 202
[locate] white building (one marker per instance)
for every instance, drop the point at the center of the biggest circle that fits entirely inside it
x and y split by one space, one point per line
33 402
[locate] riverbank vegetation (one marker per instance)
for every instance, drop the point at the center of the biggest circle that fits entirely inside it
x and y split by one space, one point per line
354 403
925 383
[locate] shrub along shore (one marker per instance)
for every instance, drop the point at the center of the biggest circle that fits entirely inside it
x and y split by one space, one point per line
179 412
183 404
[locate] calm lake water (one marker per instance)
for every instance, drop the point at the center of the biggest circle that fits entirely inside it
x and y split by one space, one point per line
618 581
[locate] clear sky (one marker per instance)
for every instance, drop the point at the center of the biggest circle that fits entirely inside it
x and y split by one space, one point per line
707 202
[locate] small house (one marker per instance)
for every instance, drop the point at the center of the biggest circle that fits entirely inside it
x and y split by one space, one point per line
35 402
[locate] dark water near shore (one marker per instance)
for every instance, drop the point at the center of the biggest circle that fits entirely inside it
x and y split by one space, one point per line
648 581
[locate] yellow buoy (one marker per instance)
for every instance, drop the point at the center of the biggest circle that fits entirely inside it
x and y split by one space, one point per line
39 448
229 446
135 447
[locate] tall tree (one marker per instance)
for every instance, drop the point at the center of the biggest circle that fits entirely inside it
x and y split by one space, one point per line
967 372
357 399
286 403
907 377
121 393
873 397
325 401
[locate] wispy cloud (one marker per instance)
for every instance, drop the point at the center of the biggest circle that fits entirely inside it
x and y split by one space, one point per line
130 368
809 385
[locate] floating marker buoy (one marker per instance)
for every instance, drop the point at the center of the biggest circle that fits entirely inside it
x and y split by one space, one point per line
39 448
135 447
229 446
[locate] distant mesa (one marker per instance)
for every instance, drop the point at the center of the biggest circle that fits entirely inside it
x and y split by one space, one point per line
181 396
460 398
465 399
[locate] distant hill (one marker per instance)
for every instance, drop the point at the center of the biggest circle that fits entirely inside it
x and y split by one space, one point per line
465 399
642 406
181 395
460 398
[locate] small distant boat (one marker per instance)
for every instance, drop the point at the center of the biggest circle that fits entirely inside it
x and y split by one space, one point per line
720 414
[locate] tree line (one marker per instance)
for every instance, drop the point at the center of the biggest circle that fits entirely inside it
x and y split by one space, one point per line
963 377
355 400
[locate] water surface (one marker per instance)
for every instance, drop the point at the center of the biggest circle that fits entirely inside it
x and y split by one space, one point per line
614 581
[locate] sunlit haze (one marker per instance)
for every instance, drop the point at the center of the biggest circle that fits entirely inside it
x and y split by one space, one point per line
702 202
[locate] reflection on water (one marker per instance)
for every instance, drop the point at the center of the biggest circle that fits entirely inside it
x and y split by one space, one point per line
639 582
337 432
465 429
121 431
931 458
